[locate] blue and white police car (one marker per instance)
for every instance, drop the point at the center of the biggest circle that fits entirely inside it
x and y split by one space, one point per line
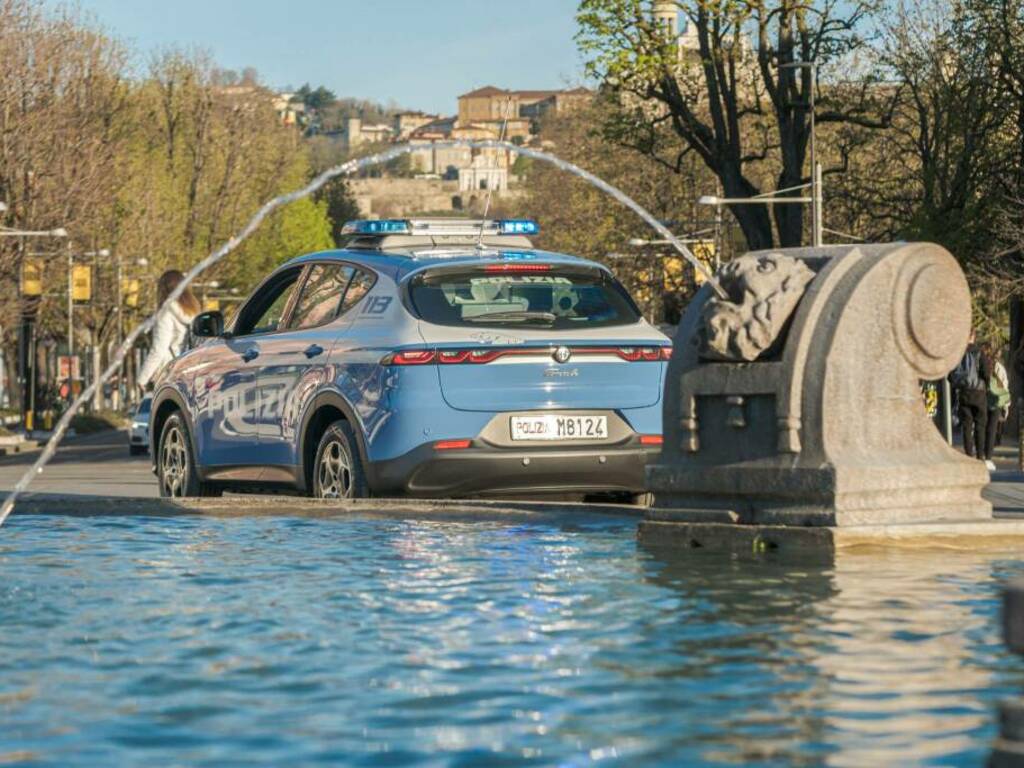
434 357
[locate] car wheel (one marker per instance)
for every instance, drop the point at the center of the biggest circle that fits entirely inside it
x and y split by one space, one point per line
338 471
175 465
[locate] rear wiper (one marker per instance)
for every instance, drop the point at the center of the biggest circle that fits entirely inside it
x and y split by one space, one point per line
519 315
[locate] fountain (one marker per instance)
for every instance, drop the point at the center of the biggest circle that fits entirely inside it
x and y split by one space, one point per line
793 415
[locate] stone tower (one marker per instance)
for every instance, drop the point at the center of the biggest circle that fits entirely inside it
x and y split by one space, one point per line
666 14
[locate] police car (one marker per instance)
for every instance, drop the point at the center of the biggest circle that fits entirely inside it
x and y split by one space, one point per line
434 357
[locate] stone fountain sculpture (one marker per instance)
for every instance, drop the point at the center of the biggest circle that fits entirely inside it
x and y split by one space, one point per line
795 401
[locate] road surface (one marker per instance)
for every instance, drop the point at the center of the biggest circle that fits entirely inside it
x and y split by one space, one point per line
91 465
99 466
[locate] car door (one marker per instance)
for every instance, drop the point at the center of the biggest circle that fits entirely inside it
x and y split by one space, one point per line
228 400
293 363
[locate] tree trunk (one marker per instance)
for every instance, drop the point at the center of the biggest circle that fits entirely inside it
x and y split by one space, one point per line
754 220
756 225
789 219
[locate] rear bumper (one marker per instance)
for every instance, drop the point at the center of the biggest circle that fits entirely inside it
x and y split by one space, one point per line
491 471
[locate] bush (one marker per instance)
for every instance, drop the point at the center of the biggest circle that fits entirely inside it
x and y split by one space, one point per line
99 421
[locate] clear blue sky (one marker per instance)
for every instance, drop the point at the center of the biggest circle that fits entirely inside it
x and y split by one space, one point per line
420 53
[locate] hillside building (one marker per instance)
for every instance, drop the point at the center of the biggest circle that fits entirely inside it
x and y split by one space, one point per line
355 133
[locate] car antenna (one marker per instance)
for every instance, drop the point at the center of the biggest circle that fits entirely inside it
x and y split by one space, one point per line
490 187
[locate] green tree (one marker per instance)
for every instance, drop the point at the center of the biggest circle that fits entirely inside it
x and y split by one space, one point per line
341 207
315 98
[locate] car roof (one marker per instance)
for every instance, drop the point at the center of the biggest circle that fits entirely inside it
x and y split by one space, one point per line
398 263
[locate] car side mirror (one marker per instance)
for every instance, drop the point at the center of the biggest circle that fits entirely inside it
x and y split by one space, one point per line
208 325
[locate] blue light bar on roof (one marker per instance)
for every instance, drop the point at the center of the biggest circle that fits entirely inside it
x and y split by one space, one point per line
518 227
376 227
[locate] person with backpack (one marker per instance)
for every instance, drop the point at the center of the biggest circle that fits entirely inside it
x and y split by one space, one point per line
970 382
998 406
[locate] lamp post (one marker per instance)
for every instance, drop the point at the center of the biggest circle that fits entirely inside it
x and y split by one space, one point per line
766 198
140 261
102 253
692 237
28 333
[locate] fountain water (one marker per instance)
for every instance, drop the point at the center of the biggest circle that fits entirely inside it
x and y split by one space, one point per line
340 170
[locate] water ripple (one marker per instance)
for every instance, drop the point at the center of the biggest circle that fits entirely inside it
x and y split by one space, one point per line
375 642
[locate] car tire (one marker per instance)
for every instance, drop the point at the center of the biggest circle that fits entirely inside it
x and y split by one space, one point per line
338 471
176 466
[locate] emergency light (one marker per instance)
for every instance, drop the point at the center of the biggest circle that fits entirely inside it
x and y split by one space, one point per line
518 227
376 227
440 227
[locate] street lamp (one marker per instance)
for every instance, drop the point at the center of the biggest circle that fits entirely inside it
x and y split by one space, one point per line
102 253
692 237
8 232
29 412
140 261
765 199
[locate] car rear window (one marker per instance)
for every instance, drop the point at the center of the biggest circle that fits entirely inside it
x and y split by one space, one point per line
557 299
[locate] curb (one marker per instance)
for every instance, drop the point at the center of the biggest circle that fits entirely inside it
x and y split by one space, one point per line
15 447
288 506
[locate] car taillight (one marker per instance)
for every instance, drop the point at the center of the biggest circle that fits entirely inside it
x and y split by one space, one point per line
629 354
636 354
652 440
410 357
482 355
520 268
452 445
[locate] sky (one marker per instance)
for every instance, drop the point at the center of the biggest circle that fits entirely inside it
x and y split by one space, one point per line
419 53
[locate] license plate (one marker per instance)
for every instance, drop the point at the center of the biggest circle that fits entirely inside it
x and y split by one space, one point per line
553 427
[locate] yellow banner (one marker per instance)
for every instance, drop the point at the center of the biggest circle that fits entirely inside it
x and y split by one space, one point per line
81 282
32 277
130 292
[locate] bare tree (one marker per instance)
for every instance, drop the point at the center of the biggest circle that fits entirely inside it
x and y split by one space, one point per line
732 95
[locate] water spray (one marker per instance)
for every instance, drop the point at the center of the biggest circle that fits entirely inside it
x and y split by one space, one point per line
269 207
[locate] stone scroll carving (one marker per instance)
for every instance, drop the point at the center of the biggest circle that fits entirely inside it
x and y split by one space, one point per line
764 290
827 427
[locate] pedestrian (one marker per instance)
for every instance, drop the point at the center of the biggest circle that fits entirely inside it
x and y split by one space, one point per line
170 333
970 381
998 404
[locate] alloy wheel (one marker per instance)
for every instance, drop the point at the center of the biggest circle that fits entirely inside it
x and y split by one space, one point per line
174 463
334 474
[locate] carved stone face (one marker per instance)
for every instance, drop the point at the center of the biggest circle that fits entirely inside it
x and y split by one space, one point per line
764 290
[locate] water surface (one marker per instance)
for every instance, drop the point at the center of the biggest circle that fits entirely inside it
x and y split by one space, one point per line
194 641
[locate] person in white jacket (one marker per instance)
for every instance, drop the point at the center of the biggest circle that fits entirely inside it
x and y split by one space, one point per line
170 333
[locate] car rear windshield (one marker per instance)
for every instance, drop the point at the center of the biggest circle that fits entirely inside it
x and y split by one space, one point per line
556 299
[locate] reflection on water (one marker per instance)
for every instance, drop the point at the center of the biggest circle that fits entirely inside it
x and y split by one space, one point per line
150 641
